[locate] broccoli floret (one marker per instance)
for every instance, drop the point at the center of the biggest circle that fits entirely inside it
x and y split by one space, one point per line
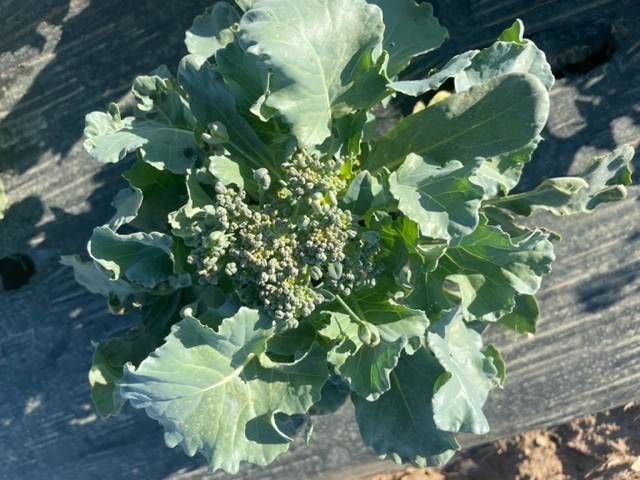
296 241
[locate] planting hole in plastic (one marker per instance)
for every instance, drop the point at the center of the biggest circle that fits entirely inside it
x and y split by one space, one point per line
16 270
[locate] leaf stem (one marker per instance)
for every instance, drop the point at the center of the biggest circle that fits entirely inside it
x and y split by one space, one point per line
508 198
351 313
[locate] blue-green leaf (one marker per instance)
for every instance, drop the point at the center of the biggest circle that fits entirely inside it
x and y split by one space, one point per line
490 268
162 193
218 394
122 295
604 180
485 271
315 51
366 363
410 30
127 203
110 357
161 100
499 116
162 132
442 199
523 317
458 402
212 30
292 342
212 306
108 136
243 73
434 81
228 171
211 101
515 55
366 366
166 146
503 172
145 259
400 423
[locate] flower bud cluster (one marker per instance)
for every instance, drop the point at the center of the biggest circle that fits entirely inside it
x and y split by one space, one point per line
279 252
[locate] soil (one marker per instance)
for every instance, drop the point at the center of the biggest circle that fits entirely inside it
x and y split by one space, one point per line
605 446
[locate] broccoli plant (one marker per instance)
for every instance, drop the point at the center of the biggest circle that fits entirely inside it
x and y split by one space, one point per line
286 259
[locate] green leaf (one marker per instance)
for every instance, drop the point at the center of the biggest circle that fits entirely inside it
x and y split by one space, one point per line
490 268
229 172
502 173
145 259
499 116
398 238
216 393
503 57
162 193
366 367
524 316
212 30
410 30
110 357
186 223
408 256
498 362
122 295
603 181
346 136
367 90
400 423
375 306
315 51
458 402
442 200
334 394
452 68
212 101
201 187
365 193
243 73
292 342
212 306
515 33
431 291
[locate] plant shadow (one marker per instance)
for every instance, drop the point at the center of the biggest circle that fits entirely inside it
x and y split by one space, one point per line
95 50
91 52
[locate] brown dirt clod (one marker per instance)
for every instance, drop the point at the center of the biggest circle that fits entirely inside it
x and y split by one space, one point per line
605 446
